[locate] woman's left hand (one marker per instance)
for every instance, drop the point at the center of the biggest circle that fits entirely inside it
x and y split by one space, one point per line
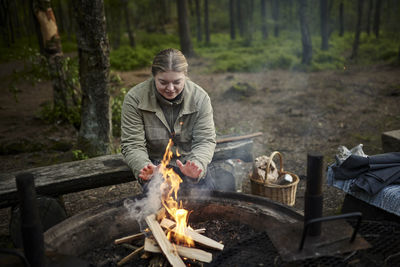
189 169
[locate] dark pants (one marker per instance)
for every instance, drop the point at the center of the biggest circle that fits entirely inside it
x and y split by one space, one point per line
206 183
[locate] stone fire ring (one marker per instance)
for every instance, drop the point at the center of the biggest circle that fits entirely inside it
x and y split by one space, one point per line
103 224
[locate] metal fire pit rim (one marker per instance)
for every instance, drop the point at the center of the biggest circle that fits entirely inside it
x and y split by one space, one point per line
257 200
66 237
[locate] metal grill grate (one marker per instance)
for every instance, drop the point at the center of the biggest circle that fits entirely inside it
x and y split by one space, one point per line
258 250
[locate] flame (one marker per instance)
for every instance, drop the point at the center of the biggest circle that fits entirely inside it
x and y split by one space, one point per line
169 190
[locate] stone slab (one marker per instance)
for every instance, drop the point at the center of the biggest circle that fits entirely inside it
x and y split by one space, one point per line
391 141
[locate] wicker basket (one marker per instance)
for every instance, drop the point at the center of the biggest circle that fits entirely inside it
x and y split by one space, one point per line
285 194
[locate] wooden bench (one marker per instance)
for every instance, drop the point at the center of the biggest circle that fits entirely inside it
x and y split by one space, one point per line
69 177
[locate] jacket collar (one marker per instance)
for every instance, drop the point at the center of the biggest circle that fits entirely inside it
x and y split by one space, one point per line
149 101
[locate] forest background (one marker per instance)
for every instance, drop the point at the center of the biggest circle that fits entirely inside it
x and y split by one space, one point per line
309 74
229 36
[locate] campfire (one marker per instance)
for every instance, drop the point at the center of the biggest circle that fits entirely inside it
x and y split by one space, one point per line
168 231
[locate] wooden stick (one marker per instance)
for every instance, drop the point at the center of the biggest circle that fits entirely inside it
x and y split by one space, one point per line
150 245
128 238
130 256
163 242
162 213
237 138
166 223
200 230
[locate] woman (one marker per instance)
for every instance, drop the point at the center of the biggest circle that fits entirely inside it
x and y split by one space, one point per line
169 105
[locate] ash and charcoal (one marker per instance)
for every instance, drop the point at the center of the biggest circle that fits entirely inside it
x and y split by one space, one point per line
245 246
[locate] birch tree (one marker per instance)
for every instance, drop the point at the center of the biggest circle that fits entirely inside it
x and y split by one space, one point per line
53 51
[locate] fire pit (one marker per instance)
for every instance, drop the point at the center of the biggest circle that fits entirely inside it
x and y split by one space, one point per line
101 225
249 216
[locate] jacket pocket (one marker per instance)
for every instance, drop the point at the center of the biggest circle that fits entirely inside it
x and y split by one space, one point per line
156 133
156 141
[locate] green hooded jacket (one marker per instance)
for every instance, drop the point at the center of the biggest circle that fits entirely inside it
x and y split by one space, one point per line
145 131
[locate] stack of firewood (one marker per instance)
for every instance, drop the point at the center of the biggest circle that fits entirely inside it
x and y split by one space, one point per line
156 242
260 171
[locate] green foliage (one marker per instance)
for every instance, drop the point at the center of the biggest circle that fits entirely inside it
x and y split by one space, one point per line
69 43
157 41
116 108
374 50
128 58
79 155
131 58
56 114
285 52
51 114
235 56
19 50
35 69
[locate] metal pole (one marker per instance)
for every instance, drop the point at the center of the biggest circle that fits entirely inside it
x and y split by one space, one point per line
313 200
31 228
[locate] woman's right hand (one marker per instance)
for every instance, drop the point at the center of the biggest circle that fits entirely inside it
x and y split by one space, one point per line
147 171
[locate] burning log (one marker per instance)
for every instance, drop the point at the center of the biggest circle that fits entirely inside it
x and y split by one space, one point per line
130 256
201 239
192 253
162 240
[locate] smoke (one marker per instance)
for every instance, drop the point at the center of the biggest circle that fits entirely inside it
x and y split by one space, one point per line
139 209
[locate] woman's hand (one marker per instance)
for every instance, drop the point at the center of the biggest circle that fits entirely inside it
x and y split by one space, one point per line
147 171
190 169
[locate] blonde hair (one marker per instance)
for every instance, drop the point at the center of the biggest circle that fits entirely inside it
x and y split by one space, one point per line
169 60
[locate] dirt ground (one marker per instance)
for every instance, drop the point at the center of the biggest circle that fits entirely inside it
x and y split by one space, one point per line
297 113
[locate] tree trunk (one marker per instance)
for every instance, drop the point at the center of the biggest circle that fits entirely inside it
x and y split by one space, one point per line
184 31
291 15
4 22
305 33
17 21
94 68
60 15
164 14
198 21
398 57
232 19
10 23
131 36
369 14
27 21
191 9
275 16
115 10
324 24
248 22
341 19
358 29
206 22
70 22
331 21
240 17
377 17
53 52
264 30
